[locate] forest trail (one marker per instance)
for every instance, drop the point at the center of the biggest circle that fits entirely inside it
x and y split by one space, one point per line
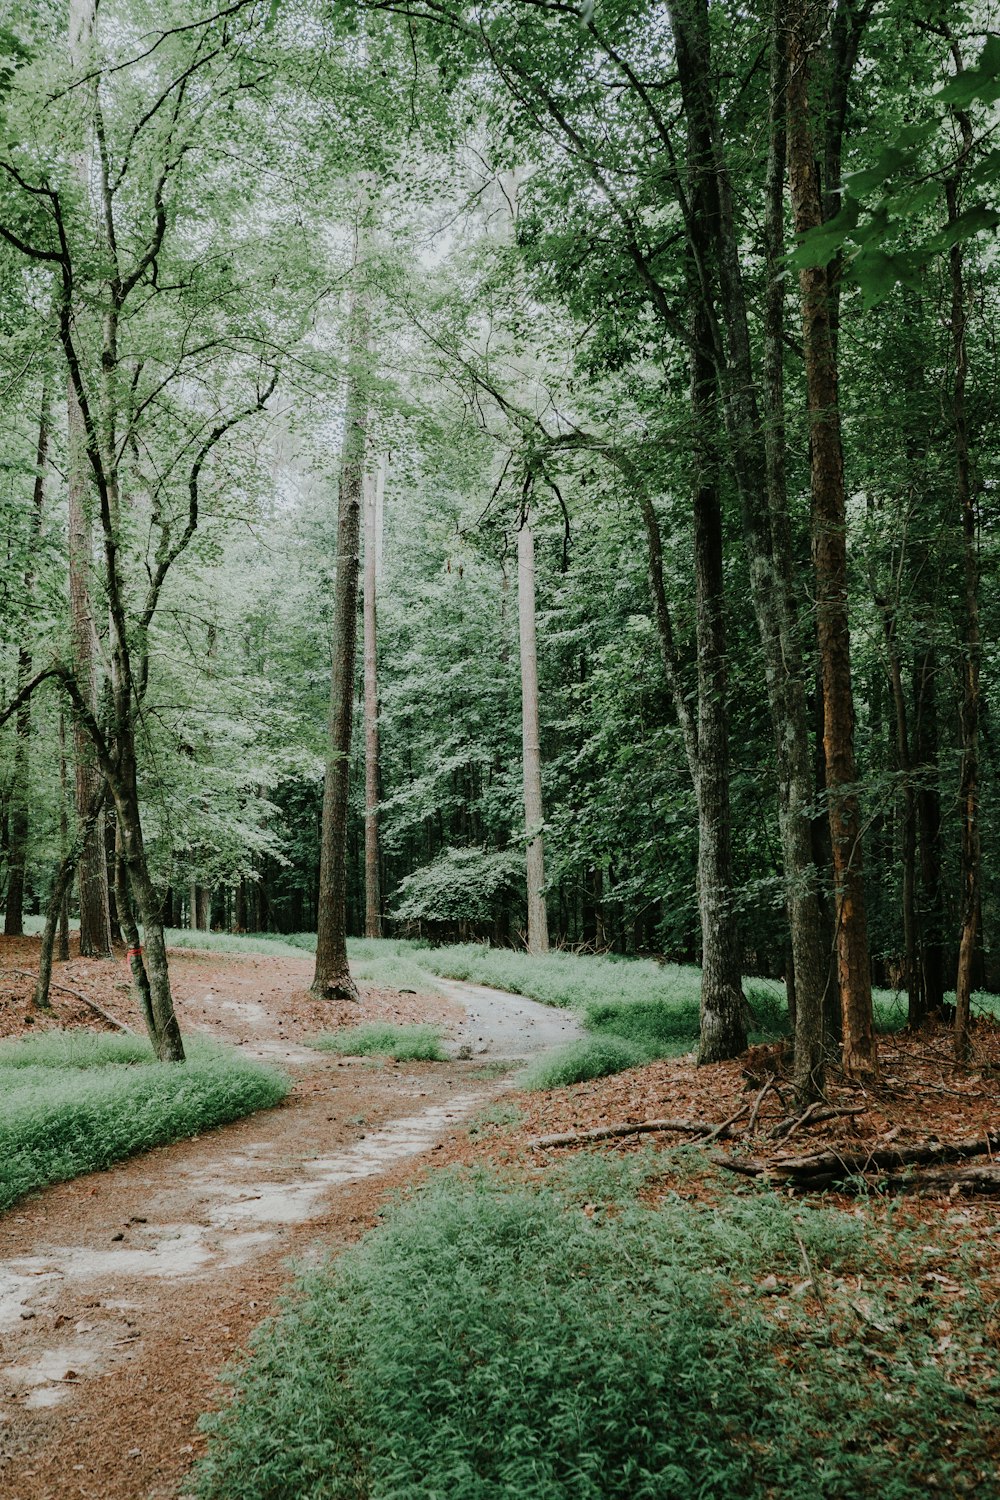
124 1293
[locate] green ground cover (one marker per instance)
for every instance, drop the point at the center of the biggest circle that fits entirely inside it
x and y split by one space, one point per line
404 1043
74 1102
566 1341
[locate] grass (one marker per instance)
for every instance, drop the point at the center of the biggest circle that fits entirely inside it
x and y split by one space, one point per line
268 943
590 1057
76 1102
495 1341
377 1039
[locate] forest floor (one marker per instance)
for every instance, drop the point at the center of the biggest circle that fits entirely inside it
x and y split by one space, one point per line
124 1294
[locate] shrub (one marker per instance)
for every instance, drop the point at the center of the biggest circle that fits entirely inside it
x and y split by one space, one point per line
591 1057
404 1043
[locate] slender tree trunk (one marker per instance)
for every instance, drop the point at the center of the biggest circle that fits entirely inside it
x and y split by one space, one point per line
722 1031
63 839
95 916
60 890
148 963
829 531
766 534
916 1004
538 928
373 895
971 856
20 791
332 978
130 930
926 775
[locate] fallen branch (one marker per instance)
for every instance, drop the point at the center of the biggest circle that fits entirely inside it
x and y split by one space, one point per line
814 1115
639 1127
955 1181
98 1010
723 1129
768 1086
893 1156
821 1168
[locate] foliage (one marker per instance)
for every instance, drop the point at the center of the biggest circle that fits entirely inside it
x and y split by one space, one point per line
888 241
404 1043
76 1104
591 1057
567 1341
460 885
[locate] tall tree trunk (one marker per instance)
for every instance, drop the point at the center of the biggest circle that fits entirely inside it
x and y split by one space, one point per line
829 532
133 951
20 790
148 963
60 890
971 856
768 547
534 818
722 1030
332 978
916 1004
373 895
926 774
204 908
95 916
63 840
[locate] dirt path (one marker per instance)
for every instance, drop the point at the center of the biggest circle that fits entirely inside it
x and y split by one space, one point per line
123 1294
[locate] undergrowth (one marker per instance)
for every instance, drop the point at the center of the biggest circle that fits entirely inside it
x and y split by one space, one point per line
78 1102
378 1039
568 1342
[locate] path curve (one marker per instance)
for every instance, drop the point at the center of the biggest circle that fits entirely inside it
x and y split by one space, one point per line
124 1293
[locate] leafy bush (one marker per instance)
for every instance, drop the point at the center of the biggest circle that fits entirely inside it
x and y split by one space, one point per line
658 1024
591 1057
404 1043
76 1103
460 885
569 1343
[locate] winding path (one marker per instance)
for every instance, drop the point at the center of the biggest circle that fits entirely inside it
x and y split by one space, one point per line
123 1294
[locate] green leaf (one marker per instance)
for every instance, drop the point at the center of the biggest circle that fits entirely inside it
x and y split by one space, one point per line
877 274
978 85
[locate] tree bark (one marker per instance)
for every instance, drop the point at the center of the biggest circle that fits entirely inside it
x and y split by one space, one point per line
926 774
916 1005
60 891
767 542
534 817
971 856
148 963
829 536
20 790
723 1010
332 978
373 895
95 916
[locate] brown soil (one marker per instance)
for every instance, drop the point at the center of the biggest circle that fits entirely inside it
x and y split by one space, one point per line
230 995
